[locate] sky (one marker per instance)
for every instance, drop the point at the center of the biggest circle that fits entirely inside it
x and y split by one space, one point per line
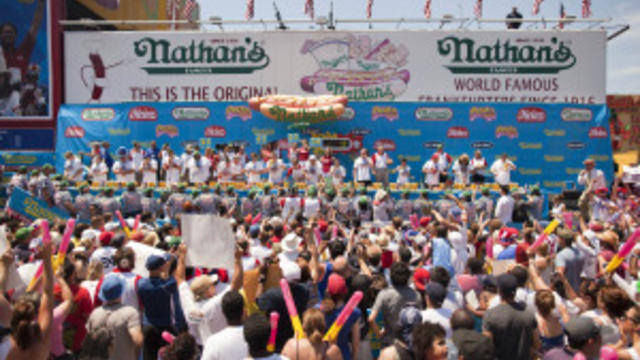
623 52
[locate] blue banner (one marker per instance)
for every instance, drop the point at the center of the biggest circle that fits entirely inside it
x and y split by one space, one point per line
32 208
12 160
547 142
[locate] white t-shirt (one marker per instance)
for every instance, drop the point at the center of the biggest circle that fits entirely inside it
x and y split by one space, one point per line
478 163
502 171
504 208
149 171
380 161
204 317
105 256
126 166
136 157
596 175
184 161
99 172
172 170
337 174
432 176
314 172
311 207
403 174
461 174
226 344
275 170
73 169
199 170
252 170
362 167
439 316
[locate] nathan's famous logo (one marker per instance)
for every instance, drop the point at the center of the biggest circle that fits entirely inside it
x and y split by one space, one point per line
143 113
506 131
576 145
200 57
358 67
409 132
74 132
388 112
215 131
555 132
575 114
573 171
458 132
598 132
530 146
432 144
504 57
119 131
482 145
169 130
387 144
190 113
301 115
525 171
553 158
241 112
531 114
483 112
434 114
98 114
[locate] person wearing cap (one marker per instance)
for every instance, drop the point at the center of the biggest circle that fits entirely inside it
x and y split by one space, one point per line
404 206
312 171
404 172
199 169
362 168
349 336
382 206
108 202
583 336
501 170
312 206
229 342
122 321
123 167
207 202
175 202
131 201
363 208
478 168
303 152
275 167
435 313
73 169
104 253
471 345
150 204
461 170
590 176
254 169
510 320
62 199
83 203
505 205
172 166
250 205
98 170
148 168
292 204
602 208
33 185
430 171
569 260
18 180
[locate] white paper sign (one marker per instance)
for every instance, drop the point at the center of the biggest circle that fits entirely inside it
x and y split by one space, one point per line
209 240
142 252
13 279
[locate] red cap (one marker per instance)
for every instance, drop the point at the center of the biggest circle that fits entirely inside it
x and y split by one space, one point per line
597 227
336 285
322 225
105 238
508 233
420 278
425 220
247 219
434 157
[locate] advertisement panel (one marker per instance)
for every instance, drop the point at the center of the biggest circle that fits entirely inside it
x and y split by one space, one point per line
625 122
548 142
429 66
25 61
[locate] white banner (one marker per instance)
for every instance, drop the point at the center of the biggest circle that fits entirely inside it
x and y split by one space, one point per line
210 241
431 66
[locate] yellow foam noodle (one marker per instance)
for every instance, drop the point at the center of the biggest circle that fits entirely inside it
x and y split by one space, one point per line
614 263
552 226
297 327
333 332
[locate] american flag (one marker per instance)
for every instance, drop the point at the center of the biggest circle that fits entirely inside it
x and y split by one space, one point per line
427 9
308 8
248 14
477 9
369 8
563 14
187 10
586 8
536 6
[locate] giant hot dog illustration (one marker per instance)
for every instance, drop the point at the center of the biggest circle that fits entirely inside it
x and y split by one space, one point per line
294 108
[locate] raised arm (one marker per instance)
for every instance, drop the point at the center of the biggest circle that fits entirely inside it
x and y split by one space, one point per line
37 19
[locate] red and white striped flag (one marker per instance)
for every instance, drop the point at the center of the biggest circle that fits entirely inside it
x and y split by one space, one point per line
586 8
248 14
187 10
369 8
427 9
308 8
477 9
536 6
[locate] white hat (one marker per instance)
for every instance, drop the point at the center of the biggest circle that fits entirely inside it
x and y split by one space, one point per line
290 243
290 271
111 226
380 194
89 234
420 239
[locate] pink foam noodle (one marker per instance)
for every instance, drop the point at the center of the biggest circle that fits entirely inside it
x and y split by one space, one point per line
291 309
46 235
337 325
62 250
579 356
608 353
274 317
489 249
123 224
568 219
539 241
256 219
66 237
628 246
168 337
136 222
334 232
415 223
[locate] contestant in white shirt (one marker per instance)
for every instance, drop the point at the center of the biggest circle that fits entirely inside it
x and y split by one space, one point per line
404 172
504 206
254 169
172 166
98 170
362 168
275 167
430 171
501 170
338 173
73 168
148 168
199 169
123 167
478 167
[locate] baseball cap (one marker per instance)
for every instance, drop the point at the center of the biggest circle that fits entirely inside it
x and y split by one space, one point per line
111 288
420 278
581 329
336 285
425 220
105 238
23 233
472 345
436 293
154 262
254 230
602 190
507 284
201 284
122 151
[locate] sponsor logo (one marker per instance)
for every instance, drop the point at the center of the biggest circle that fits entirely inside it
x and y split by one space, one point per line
241 112
388 112
574 114
530 146
98 114
143 113
360 131
506 131
576 145
512 158
572 171
505 56
265 132
409 132
434 114
387 144
483 112
348 114
598 132
215 131
431 144
524 171
555 132
553 158
11 159
190 113
163 57
302 116
74 132
553 184
458 132
531 115
119 131
362 68
482 145
169 130
599 157
411 158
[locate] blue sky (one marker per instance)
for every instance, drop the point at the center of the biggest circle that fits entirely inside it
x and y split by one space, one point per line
623 53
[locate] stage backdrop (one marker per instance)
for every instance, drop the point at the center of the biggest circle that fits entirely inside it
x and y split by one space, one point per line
547 142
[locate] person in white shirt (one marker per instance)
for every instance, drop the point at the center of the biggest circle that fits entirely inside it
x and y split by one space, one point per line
98 170
72 167
504 206
254 169
123 167
338 172
275 167
313 170
172 166
381 161
435 313
590 175
137 155
443 162
185 157
199 169
461 170
148 168
223 170
430 170
501 170
229 342
362 168
478 167
297 171
404 172
237 168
